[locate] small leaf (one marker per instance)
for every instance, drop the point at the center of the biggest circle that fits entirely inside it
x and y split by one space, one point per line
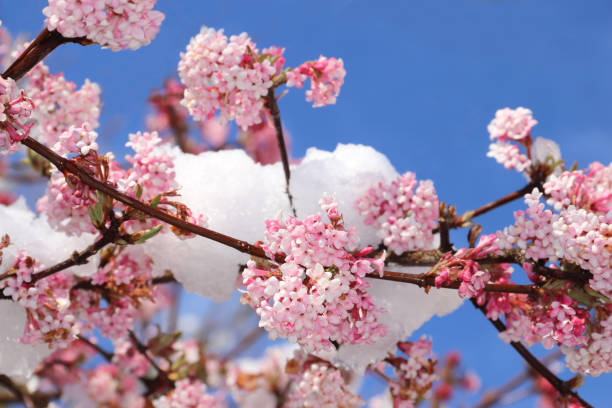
555 284
156 201
143 236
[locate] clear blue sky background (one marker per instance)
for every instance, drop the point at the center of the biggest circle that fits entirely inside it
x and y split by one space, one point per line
424 78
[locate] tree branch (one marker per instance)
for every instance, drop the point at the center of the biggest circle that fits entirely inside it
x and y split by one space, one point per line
458 221
272 105
38 49
65 165
7 383
561 386
492 397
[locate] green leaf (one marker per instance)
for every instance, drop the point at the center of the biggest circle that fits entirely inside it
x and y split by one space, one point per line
156 201
143 236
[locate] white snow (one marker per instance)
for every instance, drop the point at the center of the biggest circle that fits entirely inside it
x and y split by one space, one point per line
238 195
16 359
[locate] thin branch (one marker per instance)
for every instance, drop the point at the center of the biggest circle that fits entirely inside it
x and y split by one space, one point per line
38 49
65 165
108 356
77 258
142 349
458 222
7 383
244 343
427 281
492 397
272 105
561 386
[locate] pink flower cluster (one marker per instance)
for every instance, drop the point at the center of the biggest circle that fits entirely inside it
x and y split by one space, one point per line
595 357
572 234
189 394
59 105
15 110
413 376
319 294
116 24
463 265
152 167
512 124
404 216
551 320
226 75
509 155
589 189
112 386
47 303
318 384
57 312
75 140
511 129
326 78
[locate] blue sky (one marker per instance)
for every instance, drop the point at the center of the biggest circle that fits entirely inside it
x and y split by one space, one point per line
424 78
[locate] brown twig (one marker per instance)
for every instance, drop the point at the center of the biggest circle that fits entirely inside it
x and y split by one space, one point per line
272 105
458 221
77 258
38 49
142 349
22 396
65 165
490 398
561 386
244 343
427 281
107 355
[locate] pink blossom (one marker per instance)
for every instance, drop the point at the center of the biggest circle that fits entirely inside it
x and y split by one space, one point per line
222 74
509 155
326 78
319 293
15 110
404 216
512 124
316 383
189 394
116 24
59 105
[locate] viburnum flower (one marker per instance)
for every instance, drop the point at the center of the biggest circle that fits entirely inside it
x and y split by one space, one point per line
116 24
414 372
595 357
326 78
226 75
404 213
512 124
189 394
589 189
15 111
463 265
316 383
319 294
572 234
232 76
59 105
